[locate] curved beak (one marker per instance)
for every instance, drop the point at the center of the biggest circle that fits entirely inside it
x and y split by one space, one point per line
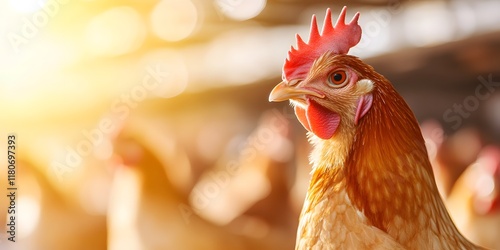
283 92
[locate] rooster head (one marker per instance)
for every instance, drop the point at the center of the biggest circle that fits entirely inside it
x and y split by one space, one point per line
328 88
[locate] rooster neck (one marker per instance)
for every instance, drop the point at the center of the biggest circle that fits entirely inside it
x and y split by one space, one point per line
388 165
384 168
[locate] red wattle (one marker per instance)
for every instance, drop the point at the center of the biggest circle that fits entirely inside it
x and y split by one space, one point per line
322 121
319 120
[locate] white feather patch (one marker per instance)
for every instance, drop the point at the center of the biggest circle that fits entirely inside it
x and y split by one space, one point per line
365 86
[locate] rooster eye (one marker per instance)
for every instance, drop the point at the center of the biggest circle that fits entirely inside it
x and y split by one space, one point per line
337 79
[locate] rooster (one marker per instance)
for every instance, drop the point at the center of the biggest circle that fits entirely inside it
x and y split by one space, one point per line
372 185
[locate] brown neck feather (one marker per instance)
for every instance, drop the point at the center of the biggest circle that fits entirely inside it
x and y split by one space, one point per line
388 159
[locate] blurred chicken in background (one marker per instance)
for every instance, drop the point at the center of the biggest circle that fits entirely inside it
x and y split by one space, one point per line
474 201
449 157
147 211
51 220
263 162
55 211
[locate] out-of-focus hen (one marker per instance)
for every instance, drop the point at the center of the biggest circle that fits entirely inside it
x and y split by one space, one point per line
249 187
474 201
450 155
148 208
372 184
43 214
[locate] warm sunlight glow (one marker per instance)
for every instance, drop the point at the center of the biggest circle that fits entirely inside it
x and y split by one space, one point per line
174 20
115 32
168 71
29 207
26 6
240 9
235 50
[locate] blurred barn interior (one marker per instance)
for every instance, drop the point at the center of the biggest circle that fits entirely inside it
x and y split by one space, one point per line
146 124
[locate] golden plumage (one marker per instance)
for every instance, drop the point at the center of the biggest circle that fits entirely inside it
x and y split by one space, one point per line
372 185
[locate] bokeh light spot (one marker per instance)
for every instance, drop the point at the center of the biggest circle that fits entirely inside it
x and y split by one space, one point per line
115 32
240 9
29 207
174 20
485 185
26 6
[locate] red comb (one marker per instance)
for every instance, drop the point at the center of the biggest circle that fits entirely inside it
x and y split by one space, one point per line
337 39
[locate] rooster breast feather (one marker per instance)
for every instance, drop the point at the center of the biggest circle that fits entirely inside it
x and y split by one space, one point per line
341 226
